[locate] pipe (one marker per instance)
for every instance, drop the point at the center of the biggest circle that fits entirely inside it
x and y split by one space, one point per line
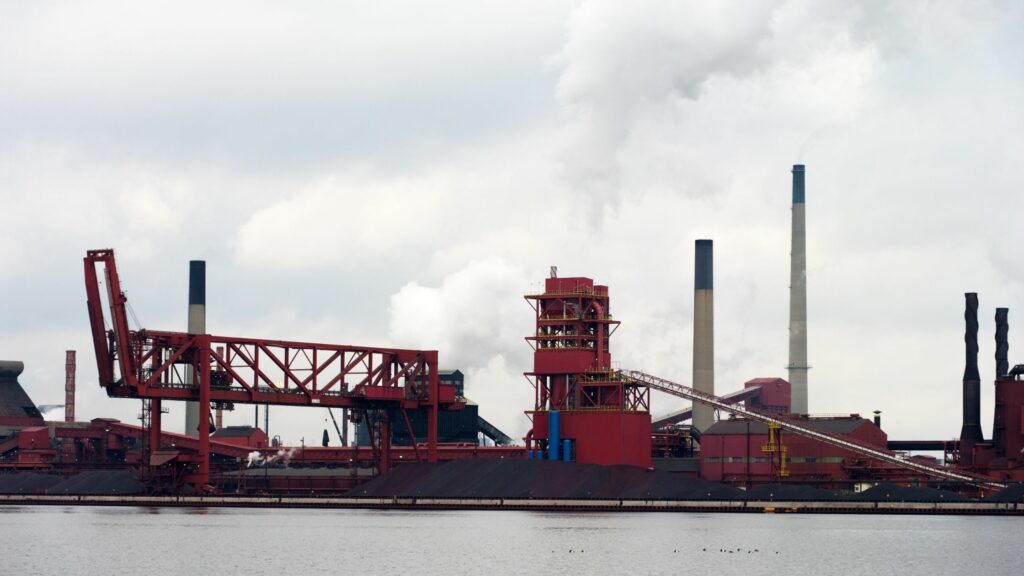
196 325
798 298
703 331
553 434
567 450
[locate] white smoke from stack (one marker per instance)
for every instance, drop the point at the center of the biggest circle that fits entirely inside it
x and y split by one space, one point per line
284 455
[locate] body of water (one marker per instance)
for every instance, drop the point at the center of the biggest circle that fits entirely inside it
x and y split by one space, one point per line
68 541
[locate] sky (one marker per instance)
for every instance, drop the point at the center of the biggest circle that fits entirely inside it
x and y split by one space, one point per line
401 173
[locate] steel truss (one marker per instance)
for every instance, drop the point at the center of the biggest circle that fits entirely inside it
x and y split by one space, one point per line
159 366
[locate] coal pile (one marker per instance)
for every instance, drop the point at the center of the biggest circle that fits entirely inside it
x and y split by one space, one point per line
888 492
791 493
28 483
1012 493
100 482
516 478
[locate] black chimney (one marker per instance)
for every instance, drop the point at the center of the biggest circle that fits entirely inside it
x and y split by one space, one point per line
970 433
1002 342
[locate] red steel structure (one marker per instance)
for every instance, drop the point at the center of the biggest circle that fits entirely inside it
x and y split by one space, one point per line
605 416
148 364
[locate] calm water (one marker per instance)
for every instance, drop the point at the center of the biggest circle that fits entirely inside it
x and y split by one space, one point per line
172 541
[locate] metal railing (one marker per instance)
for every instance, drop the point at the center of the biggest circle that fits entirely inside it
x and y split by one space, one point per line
797 427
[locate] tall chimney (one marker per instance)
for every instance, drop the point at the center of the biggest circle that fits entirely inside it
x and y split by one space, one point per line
970 433
69 386
1002 342
798 298
196 325
703 332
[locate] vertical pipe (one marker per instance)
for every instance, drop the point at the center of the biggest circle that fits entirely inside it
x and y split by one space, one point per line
703 332
196 325
567 450
218 420
553 434
970 433
798 298
344 426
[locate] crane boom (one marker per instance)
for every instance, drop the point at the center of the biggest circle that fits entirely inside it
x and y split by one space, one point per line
796 427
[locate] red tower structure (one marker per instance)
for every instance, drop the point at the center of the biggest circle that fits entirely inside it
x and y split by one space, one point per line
584 410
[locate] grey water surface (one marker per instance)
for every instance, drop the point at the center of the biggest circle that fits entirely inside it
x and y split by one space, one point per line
68 541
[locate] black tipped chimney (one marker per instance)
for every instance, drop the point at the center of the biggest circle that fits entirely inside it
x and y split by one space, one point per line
970 433
1002 342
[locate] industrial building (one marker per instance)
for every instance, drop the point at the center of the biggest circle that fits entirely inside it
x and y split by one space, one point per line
406 409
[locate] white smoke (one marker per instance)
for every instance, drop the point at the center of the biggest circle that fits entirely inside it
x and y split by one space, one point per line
283 456
477 319
623 62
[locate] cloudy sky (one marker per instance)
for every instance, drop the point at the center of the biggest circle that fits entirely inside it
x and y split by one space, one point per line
402 173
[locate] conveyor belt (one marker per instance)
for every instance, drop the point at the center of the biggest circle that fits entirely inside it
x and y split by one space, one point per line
796 427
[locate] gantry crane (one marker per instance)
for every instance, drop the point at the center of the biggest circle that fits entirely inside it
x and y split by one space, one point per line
158 366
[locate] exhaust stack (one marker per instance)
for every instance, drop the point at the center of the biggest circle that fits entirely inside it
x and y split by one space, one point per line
798 298
1002 342
196 325
703 332
970 433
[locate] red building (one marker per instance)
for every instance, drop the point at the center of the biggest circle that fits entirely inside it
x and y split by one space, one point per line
739 452
584 411
247 436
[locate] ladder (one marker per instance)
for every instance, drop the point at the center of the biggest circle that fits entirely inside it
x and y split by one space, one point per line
799 428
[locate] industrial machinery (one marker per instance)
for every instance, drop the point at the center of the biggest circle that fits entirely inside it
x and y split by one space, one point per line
795 426
158 366
583 410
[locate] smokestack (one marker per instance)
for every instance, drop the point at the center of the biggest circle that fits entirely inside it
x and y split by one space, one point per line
970 433
1002 342
703 332
69 386
196 325
798 298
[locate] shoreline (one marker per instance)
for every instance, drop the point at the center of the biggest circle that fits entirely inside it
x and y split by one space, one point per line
524 504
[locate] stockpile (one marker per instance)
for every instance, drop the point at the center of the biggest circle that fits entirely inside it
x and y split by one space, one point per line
792 493
28 483
1012 493
515 478
98 482
888 492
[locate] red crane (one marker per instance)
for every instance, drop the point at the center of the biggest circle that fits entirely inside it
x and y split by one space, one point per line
149 364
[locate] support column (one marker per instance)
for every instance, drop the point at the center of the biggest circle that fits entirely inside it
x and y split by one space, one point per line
431 358
204 409
384 438
155 423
